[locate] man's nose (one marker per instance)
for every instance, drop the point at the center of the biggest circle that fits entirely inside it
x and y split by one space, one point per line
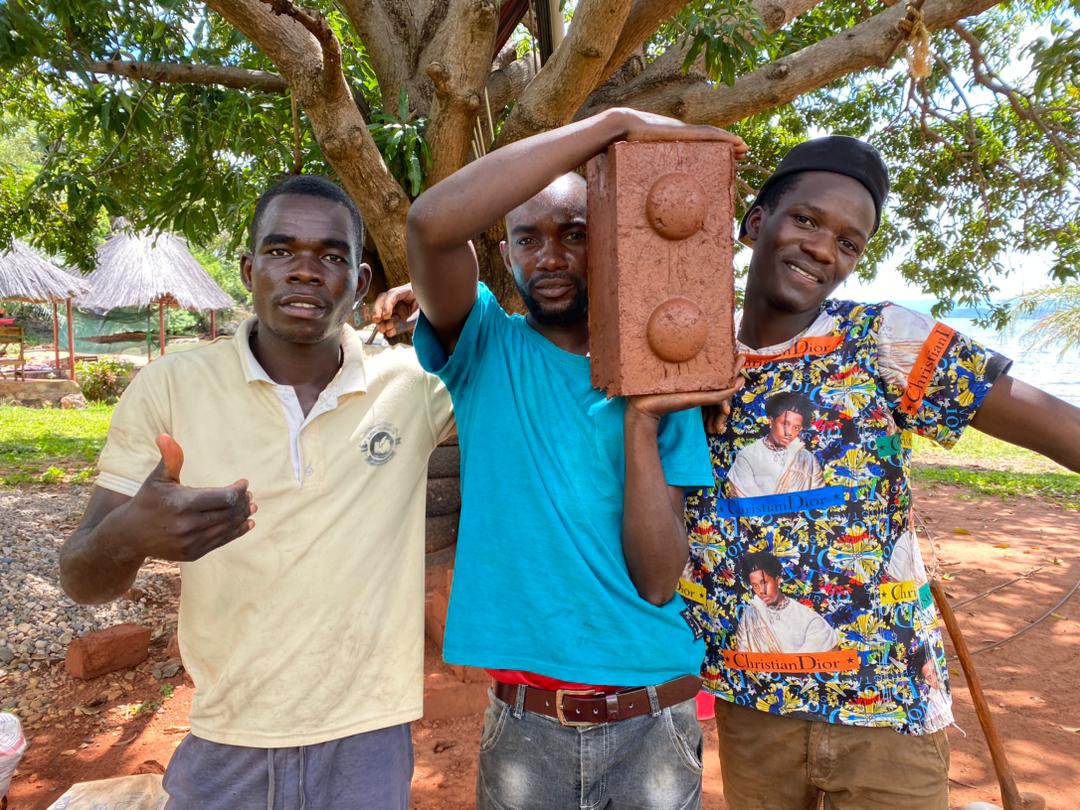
820 246
306 269
552 257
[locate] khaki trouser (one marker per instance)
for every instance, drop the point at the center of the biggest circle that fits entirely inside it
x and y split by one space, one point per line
785 763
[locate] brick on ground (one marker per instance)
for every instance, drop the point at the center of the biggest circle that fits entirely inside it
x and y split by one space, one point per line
100 652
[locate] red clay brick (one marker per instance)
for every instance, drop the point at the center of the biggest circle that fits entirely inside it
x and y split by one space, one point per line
103 651
661 278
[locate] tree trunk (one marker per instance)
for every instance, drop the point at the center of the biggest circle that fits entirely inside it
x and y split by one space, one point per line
314 73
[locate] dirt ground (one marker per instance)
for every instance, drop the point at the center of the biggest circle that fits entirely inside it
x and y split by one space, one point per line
981 544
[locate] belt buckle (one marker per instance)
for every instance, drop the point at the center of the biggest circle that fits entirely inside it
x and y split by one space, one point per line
559 694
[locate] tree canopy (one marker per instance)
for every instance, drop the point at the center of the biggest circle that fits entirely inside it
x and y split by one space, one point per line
176 114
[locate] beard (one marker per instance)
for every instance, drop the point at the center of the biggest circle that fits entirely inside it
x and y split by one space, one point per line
561 314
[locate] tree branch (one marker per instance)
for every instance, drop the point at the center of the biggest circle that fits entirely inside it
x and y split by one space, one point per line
862 46
648 15
507 83
335 119
316 24
1024 106
459 78
176 73
384 41
565 81
778 13
644 18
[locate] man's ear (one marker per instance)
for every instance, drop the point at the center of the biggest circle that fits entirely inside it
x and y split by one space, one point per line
754 220
363 281
504 251
245 271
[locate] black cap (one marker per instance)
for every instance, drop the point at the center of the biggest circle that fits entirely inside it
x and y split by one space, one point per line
833 153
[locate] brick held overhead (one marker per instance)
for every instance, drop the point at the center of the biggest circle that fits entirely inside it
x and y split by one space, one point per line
661 273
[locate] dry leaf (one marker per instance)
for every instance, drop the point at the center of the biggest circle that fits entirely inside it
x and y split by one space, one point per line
1058 616
1072 729
1002 545
126 741
959 530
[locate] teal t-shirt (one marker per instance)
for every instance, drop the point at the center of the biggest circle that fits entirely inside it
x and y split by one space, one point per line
540 581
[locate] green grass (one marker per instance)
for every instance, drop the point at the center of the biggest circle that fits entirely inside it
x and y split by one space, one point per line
983 466
50 446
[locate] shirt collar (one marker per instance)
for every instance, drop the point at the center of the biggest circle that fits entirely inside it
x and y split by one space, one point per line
823 324
351 377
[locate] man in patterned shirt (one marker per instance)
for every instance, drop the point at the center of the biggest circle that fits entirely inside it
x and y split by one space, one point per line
862 723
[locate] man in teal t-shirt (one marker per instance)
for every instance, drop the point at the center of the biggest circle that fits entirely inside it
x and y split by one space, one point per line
572 538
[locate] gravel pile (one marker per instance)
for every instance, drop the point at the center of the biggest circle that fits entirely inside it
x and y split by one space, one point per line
37 621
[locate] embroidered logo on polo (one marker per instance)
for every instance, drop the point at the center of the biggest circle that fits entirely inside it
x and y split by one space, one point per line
380 443
804 572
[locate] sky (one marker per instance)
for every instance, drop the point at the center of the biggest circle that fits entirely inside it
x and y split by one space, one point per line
1028 273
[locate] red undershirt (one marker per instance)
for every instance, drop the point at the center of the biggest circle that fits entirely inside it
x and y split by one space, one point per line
516 677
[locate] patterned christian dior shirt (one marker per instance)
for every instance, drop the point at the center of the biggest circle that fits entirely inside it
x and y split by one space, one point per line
817 531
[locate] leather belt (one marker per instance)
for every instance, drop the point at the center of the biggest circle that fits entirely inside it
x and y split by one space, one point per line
584 707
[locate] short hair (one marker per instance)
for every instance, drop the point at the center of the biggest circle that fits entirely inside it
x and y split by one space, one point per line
775 191
762 561
781 403
308 185
572 177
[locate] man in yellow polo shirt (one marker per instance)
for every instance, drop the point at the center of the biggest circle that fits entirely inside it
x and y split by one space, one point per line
285 470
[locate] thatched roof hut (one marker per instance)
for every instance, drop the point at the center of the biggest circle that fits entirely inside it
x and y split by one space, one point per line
139 269
27 276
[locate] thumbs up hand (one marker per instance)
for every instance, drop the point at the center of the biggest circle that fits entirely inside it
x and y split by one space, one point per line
171 521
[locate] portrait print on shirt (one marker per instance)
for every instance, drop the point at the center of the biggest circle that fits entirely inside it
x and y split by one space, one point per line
773 622
805 575
778 461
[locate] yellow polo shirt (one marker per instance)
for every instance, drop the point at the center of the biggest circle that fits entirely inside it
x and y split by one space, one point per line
310 627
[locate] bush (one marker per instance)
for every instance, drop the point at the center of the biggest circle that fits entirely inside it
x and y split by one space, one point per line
104 380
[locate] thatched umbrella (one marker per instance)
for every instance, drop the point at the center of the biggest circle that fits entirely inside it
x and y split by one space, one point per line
141 269
26 276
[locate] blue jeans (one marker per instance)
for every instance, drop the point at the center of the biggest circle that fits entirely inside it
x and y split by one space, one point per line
530 762
369 770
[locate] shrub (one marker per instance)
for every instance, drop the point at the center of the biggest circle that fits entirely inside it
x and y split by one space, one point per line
104 380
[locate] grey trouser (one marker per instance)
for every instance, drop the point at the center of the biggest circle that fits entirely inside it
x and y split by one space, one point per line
371 770
530 762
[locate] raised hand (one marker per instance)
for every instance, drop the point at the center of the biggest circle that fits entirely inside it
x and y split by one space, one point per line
643 126
171 521
656 405
395 311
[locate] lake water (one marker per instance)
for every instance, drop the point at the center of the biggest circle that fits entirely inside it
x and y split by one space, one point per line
1048 369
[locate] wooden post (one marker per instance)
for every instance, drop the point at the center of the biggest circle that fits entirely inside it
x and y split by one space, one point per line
213 324
1011 797
56 336
71 341
161 327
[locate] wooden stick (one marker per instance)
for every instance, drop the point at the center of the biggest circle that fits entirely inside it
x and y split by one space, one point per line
71 341
56 336
1010 795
